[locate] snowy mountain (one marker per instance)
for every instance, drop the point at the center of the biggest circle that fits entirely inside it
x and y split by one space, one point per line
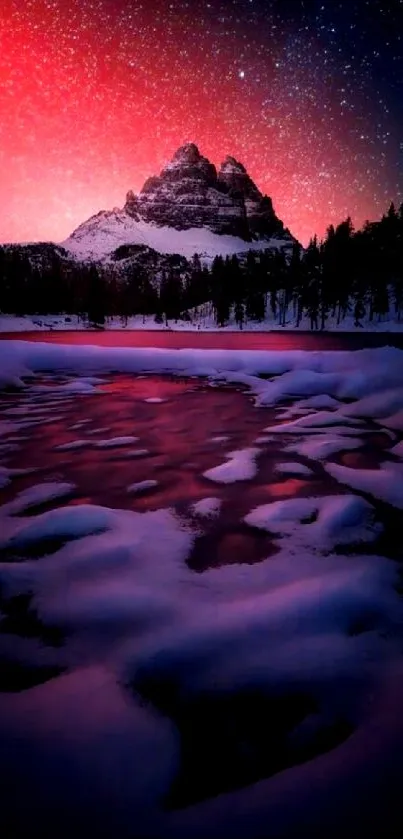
189 208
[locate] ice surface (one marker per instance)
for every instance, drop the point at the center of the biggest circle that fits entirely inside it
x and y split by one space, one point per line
240 466
155 400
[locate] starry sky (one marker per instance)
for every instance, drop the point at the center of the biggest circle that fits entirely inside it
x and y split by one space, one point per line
96 95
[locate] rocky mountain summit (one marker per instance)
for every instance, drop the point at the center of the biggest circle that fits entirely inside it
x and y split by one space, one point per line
190 193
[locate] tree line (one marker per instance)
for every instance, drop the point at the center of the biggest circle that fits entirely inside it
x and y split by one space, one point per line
349 272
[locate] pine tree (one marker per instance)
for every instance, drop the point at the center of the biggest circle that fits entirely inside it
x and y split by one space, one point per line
312 275
96 297
171 294
220 292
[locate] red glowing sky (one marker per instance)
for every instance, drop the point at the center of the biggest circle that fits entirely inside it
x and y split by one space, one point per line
96 96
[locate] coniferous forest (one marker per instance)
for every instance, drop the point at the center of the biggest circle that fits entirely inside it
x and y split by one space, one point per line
349 273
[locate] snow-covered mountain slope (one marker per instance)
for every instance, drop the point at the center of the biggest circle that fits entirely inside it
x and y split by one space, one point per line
101 235
189 208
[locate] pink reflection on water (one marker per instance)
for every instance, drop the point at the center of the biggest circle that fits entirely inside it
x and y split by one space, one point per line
166 338
288 488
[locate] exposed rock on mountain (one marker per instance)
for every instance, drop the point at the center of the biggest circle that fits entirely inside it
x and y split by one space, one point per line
261 218
188 194
236 180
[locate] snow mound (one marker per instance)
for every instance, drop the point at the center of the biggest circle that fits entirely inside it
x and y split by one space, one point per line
292 469
36 495
65 523
4 477
321 402
322 446
72 446
240 466
398 450
321 523
142 486
136 453
315 423
385 483
207 508
115 442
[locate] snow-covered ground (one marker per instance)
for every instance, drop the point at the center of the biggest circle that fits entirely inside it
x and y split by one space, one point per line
201 322
154 653
102 234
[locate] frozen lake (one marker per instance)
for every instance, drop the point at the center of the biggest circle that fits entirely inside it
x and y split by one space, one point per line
200 617
167 339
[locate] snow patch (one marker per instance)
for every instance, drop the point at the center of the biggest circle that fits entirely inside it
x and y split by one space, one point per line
207 508
115 442
102 234
240 466
136 453
142 486
74 444
292 469
322 446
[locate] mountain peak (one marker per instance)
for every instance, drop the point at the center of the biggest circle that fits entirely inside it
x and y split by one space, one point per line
189 194
237 181
232 165
187 154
